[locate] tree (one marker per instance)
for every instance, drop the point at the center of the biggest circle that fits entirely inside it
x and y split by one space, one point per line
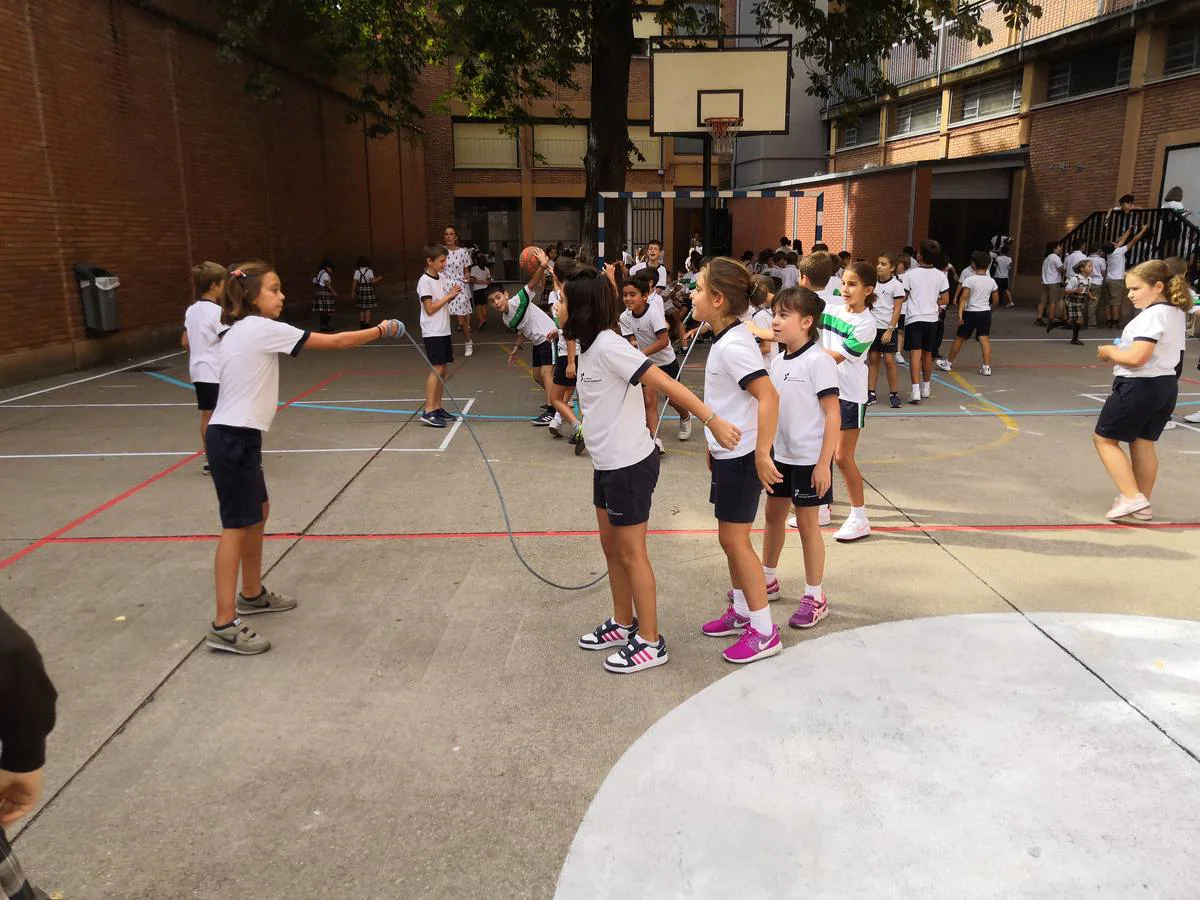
504 56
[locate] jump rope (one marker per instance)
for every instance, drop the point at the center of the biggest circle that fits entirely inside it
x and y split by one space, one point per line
465 419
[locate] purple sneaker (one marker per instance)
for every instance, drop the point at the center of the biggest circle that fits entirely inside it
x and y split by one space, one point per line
729 623
810 612
752 646
773 592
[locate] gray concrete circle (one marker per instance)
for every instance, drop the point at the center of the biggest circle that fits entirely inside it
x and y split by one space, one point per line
959 757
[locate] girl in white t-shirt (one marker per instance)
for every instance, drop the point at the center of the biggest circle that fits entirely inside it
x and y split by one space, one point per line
324 296
1147 362
480 277
625 463
809 422
251 303
201 333
737 387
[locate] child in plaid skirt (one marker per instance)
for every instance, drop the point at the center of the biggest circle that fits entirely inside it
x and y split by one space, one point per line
27 709
365 300
1077 294
324 294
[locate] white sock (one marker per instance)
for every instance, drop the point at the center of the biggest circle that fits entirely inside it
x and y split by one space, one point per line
858 513
926 386
813 590
739 604
916 391
768 572
761 621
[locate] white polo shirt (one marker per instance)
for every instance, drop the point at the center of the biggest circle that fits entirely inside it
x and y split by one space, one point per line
1160 323
646 329
789 277
981 287
1099 267
662 272
428 287
1003 265
924 286
534 324
202 321
1052 269
249 370
802 379
887 294
764 319
1075 256
850 335
1116 264
614 413
733 362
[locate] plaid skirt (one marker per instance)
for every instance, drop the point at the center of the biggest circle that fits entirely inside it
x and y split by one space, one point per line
323 301
365 297
13 884
1075 304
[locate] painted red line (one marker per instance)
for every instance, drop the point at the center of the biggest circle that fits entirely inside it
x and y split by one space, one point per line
661 532
109 504
1189 380
1057 366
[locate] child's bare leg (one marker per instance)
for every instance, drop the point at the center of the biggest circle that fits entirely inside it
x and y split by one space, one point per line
955 348
205 415
627 546
915 364
844 457
547 382
225 569
558 399
873 369
433 388
889 363
1144 456
985 347
813 543
1119 466
252 552
778 509
744 565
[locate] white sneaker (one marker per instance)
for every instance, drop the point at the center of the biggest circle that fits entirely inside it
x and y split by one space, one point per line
853 529
824 516
926 390
685 427
659 444
985 370
470 349
944 364
791 523
916 395
1123 507
1194 418
1171 423
900 360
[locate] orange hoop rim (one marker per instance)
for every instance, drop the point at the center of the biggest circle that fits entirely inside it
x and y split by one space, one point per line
724 130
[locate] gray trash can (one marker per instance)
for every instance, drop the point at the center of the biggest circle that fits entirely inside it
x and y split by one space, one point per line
98 292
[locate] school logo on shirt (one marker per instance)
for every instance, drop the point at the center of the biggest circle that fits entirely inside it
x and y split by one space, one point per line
792 377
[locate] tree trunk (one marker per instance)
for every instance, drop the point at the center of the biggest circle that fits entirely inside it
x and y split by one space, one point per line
607 157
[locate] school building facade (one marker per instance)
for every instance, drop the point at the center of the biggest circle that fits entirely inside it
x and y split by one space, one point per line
1026 136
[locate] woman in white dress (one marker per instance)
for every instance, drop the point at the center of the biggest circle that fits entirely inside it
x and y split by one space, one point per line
458 262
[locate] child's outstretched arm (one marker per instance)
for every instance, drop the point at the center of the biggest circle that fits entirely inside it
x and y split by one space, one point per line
345 340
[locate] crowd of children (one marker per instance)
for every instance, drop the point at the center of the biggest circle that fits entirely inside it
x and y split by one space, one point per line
797 343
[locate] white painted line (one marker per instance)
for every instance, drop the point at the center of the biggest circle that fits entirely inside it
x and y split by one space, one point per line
343 402
90 405
457 424
1186 425
59 387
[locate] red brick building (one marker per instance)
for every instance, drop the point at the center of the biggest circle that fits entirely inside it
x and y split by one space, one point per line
1025 136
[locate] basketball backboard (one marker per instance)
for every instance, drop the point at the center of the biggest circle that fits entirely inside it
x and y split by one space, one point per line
695 78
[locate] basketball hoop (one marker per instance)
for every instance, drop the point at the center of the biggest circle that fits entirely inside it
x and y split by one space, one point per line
724 131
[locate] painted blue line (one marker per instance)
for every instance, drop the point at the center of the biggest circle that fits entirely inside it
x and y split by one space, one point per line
402 412
169 380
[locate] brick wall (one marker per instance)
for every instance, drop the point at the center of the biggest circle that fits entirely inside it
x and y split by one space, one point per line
986 137
152 157
1167 107
1074 155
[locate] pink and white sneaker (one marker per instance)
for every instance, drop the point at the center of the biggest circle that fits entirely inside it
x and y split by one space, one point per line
811 611
1127 506
752 646
610 635
729 623
773 592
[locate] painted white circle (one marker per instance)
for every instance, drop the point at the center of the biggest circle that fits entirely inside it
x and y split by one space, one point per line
986 756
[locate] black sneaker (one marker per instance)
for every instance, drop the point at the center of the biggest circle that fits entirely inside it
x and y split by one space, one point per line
544 419
871 398
608 635
894 401
206 470
637 655
433 420
447 416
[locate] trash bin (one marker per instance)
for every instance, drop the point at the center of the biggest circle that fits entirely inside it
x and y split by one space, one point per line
98 292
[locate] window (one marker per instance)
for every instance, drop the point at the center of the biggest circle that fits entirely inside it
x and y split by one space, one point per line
1096 69
484 145
689 145
859 133
494 223
644 28
917 117
648 145
1183 49
995 97
559 146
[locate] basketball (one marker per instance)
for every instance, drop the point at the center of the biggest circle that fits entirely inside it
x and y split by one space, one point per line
530 259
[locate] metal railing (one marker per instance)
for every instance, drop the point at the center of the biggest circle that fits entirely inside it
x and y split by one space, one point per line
1170 233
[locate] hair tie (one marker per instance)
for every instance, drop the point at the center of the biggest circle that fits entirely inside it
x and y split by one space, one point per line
238 273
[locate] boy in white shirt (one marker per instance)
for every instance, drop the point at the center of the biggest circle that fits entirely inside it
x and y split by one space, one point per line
1076 256
789 275
1001 268
1095 287
889 302
202 329
977 297
522 315
654 259
928 291
435 291
1052 278
1114 276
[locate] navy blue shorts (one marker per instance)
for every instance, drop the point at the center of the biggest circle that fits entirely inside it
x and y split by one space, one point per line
439 350
235 461
625 493
735 489
797 486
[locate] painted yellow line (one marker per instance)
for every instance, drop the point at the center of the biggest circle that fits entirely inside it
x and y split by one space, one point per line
1011 430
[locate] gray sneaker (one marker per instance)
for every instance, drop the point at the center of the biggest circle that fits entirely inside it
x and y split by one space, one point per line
236 638
267 601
